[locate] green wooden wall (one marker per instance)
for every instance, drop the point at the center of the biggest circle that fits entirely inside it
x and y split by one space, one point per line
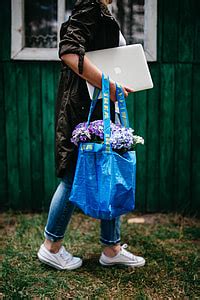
168 165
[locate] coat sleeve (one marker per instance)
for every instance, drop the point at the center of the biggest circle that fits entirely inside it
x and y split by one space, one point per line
77 33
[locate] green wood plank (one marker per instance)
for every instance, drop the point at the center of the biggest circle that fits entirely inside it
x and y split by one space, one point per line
23 135
170 30
5 29
186 31
36 148
48 103
130 108
182 138
141 129
12 135
197 31
3 158
160 17
167 136
57 69
153 106
195 162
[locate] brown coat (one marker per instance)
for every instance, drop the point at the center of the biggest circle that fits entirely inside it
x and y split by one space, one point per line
90 27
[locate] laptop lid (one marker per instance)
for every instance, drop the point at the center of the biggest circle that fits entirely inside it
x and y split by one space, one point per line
126 65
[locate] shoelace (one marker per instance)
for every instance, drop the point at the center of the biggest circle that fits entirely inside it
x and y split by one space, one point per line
65 255
124 246
127 253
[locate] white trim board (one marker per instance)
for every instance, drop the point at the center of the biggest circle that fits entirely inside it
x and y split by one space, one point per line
150 30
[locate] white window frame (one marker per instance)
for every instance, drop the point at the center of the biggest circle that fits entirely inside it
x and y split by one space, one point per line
18 49
20 52
150 29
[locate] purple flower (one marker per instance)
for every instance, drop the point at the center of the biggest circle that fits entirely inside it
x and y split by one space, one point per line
80 134
121 137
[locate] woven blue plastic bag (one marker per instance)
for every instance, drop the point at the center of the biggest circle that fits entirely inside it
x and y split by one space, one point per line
104 182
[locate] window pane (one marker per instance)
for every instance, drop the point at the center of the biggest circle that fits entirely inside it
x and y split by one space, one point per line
69 4
130 15
41 23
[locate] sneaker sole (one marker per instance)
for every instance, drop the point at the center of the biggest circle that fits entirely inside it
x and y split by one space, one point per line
121 264
51 264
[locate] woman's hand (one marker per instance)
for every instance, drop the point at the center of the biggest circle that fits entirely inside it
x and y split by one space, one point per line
113 91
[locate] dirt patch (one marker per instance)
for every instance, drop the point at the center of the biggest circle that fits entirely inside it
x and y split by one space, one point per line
8 224
158 218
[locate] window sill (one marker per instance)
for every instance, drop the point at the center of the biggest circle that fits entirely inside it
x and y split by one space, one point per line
37 54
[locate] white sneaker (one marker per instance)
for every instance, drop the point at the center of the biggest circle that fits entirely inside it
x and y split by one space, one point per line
124 257
62 260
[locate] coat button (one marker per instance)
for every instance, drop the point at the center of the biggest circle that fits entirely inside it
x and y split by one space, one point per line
82 107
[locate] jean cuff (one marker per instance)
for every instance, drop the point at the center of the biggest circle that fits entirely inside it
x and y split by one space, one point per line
52 237
109 243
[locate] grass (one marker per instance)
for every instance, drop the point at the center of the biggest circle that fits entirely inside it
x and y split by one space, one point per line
169 243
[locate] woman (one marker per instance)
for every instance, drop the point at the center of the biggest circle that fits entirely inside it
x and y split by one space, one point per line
91 27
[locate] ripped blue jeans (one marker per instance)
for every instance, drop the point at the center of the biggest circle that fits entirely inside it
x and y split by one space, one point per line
61 210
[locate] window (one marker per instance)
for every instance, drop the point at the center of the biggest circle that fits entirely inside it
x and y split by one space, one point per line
40 24
138 22
36 24
130 15
35 28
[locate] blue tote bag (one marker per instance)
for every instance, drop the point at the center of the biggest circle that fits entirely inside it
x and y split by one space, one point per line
104 182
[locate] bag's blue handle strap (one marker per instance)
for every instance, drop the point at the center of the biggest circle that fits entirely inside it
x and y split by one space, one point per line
106 108
93 104
122 106
106 111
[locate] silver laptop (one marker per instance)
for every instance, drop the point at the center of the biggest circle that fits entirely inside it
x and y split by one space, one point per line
126 65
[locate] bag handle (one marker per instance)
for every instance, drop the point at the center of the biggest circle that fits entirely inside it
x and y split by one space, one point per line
93 104
122 106
106 108
121 103
106 111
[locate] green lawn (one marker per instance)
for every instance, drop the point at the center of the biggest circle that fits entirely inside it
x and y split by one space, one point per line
169 243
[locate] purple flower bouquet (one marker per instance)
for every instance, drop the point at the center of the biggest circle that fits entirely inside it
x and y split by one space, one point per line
122 139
